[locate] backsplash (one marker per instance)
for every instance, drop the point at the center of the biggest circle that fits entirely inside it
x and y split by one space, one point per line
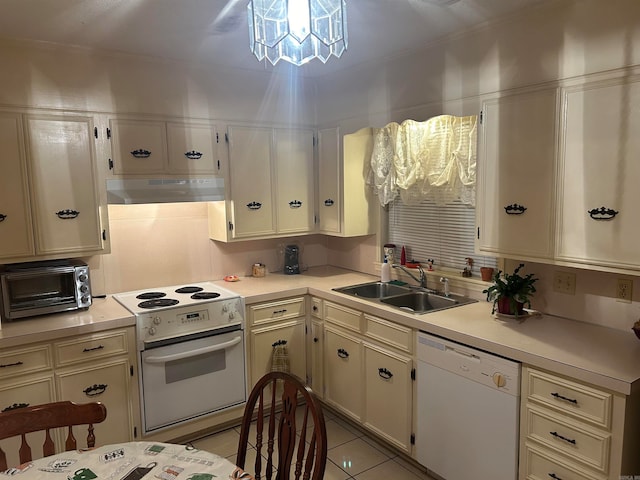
165 244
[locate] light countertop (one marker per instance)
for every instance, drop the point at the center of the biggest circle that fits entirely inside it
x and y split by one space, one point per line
602 356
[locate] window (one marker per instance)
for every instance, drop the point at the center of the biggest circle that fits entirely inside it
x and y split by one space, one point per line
444 233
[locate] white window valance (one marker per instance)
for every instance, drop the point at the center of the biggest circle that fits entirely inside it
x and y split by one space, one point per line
432 160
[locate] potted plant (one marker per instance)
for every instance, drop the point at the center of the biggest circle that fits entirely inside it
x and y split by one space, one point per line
510 292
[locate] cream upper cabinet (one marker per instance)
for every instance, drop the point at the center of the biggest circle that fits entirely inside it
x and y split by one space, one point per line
251 180
599 172
16 234
138 147
64 184
157 147
270 186
516 175
294 176
50 200
346 205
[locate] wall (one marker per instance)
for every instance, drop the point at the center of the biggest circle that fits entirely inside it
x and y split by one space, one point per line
168 244
557 40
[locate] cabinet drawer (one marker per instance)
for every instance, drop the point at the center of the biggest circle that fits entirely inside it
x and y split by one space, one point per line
578 400
583 444
25 360
389 333
542 465
281 310
343 316
316 307
26 391
89 347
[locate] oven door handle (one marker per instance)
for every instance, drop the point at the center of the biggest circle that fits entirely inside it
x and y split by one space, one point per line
193 353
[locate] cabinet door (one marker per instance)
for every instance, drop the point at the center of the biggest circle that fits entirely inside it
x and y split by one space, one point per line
294 173
251 185
262 347
109 383
516 175
388 395
139 146
192 148
24 392
64 184
599 171
344 384
329 178
317 348
16 237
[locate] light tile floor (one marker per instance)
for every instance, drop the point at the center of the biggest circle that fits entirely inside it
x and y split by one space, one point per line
352 455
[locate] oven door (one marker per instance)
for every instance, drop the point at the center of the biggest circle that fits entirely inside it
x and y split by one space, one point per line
192 378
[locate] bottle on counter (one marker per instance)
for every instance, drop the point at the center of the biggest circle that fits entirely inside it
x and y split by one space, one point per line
385 271
403 257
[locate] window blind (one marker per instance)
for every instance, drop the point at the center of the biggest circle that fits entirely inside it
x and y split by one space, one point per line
444 233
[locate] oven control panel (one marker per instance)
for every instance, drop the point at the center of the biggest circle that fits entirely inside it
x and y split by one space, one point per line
168 323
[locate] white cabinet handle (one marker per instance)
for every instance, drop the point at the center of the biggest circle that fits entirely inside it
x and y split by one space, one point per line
193 353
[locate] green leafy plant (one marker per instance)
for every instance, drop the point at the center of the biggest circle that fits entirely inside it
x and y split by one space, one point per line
517 288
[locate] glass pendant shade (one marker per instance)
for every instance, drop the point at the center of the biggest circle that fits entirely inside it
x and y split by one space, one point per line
297 31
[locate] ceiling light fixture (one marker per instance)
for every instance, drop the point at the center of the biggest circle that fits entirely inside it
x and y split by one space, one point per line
297 31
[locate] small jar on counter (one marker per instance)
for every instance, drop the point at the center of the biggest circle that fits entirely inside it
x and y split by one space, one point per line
258 270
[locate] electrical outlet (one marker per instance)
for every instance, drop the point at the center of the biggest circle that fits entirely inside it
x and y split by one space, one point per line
564 282
624 290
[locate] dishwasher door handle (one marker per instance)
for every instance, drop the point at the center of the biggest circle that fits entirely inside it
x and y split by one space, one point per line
469 356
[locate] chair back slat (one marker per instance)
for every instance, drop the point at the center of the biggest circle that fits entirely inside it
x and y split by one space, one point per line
281 430
24 420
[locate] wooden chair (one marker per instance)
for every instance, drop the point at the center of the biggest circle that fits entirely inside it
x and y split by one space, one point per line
310 448
21 421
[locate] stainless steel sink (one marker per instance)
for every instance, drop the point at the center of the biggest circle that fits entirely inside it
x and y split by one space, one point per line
421 302
409 299
373 290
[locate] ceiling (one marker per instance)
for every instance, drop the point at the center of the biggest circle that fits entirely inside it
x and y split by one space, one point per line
215 32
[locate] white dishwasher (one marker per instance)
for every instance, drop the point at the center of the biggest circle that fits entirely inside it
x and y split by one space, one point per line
467 411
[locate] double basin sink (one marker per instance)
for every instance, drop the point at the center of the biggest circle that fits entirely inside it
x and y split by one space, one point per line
406 298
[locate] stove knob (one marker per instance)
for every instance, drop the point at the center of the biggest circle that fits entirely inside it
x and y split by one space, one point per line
499 379
151 331
225 308
231 315
156 320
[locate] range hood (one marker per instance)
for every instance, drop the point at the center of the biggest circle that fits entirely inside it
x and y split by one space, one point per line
164 190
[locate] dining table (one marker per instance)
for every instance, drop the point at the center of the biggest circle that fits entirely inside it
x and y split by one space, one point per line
130 461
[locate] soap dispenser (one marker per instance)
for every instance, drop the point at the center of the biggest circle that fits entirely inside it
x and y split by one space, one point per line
385 271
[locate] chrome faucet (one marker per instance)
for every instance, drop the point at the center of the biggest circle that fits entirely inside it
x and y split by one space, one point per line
423 278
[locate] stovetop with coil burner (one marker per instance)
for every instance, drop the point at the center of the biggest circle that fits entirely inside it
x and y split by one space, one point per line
175 311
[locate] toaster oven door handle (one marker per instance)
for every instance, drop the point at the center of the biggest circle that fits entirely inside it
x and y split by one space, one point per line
193 353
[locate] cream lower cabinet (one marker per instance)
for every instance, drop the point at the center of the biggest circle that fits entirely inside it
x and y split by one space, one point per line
276 323
316 350
95 367
369 371
573 431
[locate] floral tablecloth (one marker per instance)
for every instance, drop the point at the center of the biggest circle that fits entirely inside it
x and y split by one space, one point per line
130 461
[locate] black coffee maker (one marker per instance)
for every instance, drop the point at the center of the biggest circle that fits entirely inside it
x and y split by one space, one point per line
291 259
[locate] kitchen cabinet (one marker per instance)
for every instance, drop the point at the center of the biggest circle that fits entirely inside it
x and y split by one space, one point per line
271 190
164 147
346 205
599 169
276 323
516 174
51 200
571 430
86 368
316 347
16 233
367 361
